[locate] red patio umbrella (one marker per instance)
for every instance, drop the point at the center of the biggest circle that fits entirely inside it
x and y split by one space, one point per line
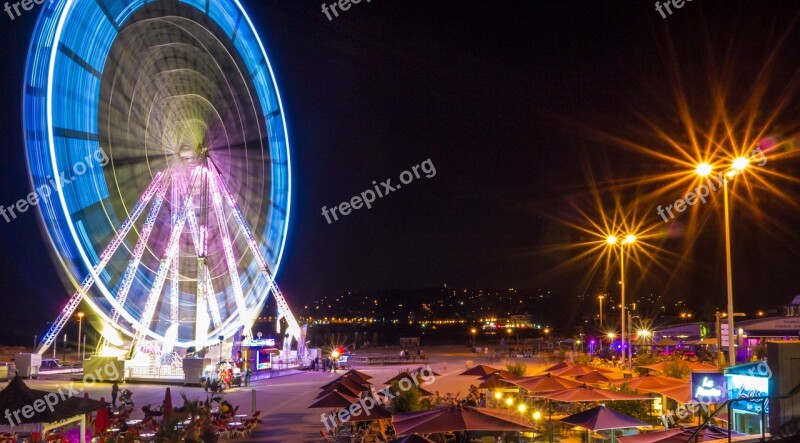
502 373
585 393
693 365
479 371
376 413
334 399
574 371
345 386
649 382
354 378
422 368
593 378
363 375
545 383
601 418
452 419
681 393
497 383
557 366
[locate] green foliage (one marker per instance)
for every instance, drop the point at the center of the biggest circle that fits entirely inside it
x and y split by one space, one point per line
583 359
677 368
518 369
405 401
644 358
760 352
639 410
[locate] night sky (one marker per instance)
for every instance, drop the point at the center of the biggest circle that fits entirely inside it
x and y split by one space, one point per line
526 109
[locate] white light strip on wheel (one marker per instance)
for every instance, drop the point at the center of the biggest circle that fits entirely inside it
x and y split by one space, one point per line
241 305
161 276
175 298
283 306
105 257
211 298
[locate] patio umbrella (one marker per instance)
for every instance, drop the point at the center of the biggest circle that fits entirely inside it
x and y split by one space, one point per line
355 378
680 435
681 393
649 382
601 418
546 383
376 413
479 371
574 371
333 400
411 438
452 419
693 365
593 377
17 395
586 393
502 373
363 375
497 383
557 366
345 386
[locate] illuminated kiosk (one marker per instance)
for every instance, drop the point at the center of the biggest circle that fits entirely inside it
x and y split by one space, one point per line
749 380
158 152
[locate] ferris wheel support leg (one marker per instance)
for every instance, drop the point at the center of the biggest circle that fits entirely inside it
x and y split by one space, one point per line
241 304
138 251
284 311
105 257
161 276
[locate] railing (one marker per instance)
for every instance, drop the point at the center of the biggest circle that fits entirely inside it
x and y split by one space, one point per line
727 406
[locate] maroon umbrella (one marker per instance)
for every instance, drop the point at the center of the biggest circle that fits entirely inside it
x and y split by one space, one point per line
601 418
375 413
502 373
585 393
479 371
345 386
593 377
352 377
412 438
545 383
452 419
333 400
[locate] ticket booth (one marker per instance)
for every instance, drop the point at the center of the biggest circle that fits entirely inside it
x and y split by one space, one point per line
257 354
748 380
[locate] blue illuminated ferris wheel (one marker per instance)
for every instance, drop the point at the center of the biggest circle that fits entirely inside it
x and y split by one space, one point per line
157 145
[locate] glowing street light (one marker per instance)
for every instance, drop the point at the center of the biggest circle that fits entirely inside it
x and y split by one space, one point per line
613 241
522 408
703 169
738 165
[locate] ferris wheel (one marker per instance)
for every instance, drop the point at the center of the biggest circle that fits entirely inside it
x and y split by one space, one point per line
158 149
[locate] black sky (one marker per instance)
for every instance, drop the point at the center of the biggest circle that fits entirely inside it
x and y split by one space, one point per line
503 98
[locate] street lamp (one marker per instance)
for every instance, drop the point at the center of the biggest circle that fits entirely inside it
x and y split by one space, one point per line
613 241
738 165
80 331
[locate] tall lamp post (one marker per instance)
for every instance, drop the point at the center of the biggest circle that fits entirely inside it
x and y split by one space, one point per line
613 241
738 165
80 331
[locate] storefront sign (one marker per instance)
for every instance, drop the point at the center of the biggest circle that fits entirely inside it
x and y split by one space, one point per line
709 387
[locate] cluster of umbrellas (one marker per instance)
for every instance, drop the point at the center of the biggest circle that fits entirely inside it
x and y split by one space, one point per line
347 390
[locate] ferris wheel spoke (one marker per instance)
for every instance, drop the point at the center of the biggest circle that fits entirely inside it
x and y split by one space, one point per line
211 297
105 257
283 307
241 304
161 276
175 296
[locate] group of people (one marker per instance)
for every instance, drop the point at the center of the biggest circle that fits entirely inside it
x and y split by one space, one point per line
406 355
326 364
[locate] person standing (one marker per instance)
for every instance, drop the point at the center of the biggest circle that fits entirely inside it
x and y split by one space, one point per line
114 393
